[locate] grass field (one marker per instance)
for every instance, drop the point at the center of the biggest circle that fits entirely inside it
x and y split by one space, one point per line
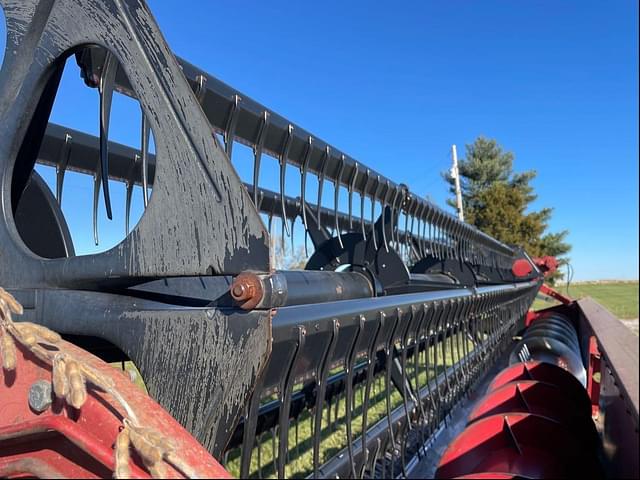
620 298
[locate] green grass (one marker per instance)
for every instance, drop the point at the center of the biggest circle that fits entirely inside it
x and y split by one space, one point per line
620 298
334 436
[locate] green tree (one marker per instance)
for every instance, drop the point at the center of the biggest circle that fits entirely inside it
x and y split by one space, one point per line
497 201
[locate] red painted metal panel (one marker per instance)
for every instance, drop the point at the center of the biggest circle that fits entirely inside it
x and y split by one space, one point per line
593 386
532 396
547 290
541 371
64 442
520 444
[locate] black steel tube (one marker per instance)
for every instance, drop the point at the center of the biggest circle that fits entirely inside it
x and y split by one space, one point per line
298 287
305 286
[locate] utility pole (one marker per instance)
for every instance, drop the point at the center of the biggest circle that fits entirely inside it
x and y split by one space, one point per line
455 174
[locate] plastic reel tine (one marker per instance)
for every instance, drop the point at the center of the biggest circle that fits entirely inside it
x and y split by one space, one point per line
451 234
456 346
404 209
391 197
429 213
438 233
249 430
274 450
352 185
419 238
321 386
129 191
285 402
374 460
455 241
146 132
425 225
387 386
395 231
443 350
412 212
200 88
373 220
444 236
439 310
336 413
441 220
270 220
451 317
400 210
430 310
404 339
463 242
323 172
283 166
257 154
349 394
403 452
362 197
260 199
433 237
230 129
464 334
384 214
367 391
428 334
61 165
407 212
303 184
106 85
336 198
430 232
416 365
96 195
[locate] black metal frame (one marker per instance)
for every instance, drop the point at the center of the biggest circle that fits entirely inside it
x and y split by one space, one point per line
161 297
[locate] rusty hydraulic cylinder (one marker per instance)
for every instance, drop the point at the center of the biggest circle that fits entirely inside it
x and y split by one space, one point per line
282 288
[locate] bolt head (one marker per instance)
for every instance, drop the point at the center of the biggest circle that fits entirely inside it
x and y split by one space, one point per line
238 291
40 396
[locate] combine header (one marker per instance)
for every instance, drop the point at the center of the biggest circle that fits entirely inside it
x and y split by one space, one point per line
369 362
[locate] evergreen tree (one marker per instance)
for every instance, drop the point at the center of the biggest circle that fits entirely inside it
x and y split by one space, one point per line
496 200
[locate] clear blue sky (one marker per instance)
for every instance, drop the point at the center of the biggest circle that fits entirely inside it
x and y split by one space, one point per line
554 82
